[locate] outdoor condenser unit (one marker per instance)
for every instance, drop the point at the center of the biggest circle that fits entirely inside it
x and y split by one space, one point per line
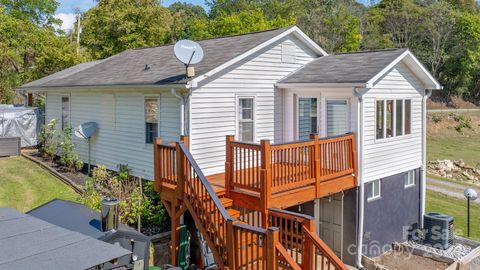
438 230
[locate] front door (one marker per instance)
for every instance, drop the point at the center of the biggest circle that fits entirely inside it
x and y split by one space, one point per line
330 211
307 117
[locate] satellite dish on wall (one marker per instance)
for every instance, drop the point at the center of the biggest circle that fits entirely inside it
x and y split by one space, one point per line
86 131
188 52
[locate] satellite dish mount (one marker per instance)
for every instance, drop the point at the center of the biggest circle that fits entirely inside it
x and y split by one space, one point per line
189 53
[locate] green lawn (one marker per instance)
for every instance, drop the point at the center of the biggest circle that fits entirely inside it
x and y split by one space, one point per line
457 208
25 185
455 147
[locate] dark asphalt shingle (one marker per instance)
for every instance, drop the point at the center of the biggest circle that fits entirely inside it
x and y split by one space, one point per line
357 67
128 67
27 242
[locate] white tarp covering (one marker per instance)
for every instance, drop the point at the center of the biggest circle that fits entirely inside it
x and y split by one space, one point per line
20 122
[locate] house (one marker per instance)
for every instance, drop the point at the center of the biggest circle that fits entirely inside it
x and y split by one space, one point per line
249 114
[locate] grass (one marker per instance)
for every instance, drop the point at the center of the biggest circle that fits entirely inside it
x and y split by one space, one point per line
437 202
25 185
454 147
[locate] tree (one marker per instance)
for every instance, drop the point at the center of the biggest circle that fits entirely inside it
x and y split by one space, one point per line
37 11
116 25
333 26
185 17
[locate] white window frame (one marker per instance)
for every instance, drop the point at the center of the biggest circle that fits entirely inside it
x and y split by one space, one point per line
409 179
394 120
254 116
371 185
158 117
69 110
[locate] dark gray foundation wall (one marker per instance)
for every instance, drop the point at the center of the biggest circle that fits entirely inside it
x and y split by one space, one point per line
388 218
349 223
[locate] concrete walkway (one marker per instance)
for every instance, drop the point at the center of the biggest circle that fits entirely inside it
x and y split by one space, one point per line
450 189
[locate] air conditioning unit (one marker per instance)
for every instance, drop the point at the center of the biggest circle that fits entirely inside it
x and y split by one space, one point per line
438 230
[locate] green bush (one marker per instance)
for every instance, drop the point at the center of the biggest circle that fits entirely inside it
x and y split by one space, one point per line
463 122
437 118
49 139
135 207
68 156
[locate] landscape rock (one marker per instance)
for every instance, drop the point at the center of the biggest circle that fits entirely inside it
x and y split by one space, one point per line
455 170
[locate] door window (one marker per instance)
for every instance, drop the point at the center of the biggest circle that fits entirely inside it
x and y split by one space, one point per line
307 117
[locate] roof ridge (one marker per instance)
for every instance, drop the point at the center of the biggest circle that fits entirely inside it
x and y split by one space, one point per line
370 51
221 37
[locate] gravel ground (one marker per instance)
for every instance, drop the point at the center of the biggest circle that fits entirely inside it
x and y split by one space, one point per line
447 188
456 251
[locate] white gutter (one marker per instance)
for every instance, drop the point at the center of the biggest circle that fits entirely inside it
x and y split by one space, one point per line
361 193
423 169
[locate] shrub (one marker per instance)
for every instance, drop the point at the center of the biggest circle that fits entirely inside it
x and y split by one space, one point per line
134 206
68 156
437 118
49 139
463 122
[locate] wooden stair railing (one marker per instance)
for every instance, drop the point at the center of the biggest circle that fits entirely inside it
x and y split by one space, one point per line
298 237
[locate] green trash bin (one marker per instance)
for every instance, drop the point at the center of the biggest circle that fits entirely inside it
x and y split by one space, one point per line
154 268
183 258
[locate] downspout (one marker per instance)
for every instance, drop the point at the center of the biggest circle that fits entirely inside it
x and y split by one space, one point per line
361 189
183 108
423 169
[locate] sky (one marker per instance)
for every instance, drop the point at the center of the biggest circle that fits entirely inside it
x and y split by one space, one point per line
66 9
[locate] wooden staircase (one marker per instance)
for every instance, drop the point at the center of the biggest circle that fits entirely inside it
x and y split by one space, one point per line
239 237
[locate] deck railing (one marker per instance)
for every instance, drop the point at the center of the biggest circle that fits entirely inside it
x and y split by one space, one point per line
271 168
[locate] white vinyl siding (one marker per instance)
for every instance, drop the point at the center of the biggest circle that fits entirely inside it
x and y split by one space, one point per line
120 138
213 108
390 156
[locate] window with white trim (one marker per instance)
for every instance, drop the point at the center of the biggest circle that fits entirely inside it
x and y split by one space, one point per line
393 118
374 190
65 112
409 179
246 119
151 119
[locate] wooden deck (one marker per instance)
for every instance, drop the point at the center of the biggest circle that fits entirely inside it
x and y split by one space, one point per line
237 212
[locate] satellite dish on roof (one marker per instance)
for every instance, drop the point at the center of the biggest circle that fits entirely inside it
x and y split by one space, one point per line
188 52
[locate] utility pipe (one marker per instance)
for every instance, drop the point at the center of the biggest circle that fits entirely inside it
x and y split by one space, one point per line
423 169
361 192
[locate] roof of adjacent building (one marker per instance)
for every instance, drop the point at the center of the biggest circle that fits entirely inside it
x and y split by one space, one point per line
154 65
27 242
354 67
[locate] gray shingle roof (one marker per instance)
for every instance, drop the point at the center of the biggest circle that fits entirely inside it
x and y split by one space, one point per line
30 243
128 67
356 67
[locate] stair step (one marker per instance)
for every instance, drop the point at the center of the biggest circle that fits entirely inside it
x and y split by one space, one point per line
227 202
233 213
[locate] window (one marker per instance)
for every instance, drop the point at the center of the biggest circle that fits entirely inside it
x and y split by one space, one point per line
408 116
307 117
409 179
151 119
389 118
374 190
65 112
379 118
246 123
337 117
399 117
393 118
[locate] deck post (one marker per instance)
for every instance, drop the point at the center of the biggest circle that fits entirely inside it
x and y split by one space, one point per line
308 248
265 180
156 163
354 158
228 164
230 245
175 234
185 140
272 241
316 159
180 171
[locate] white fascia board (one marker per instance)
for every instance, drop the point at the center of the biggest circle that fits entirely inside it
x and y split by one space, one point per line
120 88
318 85
436 85
295 30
